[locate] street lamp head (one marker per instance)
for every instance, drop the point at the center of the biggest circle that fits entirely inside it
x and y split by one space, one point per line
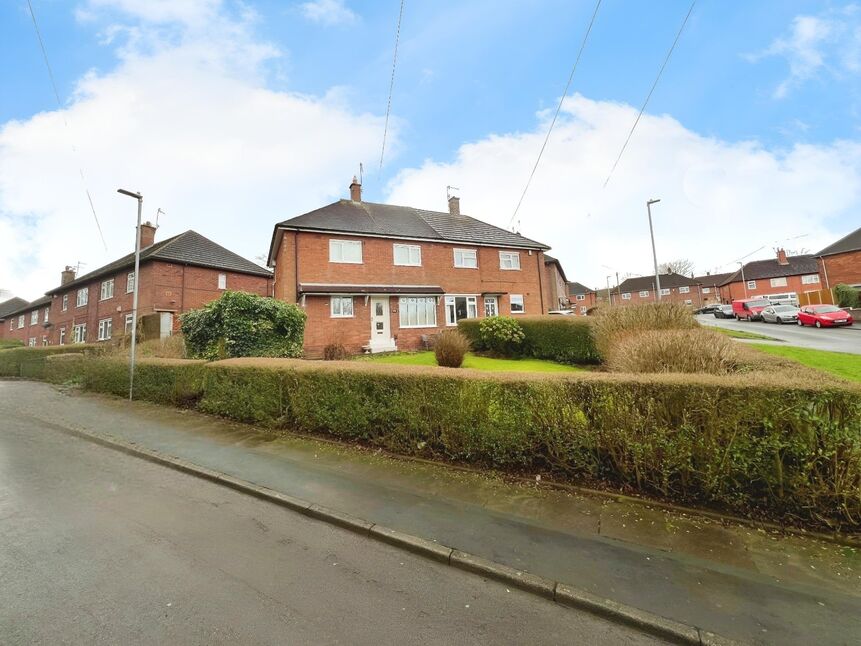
137 196
653 201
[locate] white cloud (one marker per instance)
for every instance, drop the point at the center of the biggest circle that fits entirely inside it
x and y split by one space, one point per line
328 12
187 119
828 42
720 200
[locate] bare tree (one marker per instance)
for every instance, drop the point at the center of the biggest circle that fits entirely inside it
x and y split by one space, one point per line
681 266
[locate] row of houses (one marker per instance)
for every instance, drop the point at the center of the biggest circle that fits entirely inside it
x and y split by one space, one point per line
378 277
807 278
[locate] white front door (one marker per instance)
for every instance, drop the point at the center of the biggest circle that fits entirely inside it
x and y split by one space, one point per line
165 324
381 329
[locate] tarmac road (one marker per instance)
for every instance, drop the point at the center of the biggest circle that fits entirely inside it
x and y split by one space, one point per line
844 339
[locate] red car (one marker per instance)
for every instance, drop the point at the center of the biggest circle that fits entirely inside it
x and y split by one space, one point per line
749 309
824 316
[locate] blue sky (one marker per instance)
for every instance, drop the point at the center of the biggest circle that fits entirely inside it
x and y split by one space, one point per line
777 79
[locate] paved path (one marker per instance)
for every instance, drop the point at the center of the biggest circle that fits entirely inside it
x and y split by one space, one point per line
845 339
732 580
100 548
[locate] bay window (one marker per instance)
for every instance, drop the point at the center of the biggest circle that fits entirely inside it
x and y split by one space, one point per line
417 311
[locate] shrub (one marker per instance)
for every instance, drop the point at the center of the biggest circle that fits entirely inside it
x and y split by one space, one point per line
450 348
335 352
691 351
614 322
501 335
566 339
847 296
30 362
244 325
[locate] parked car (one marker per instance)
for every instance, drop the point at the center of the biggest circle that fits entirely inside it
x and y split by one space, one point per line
707 309
780 314
723 312
561 312
748 309
824 316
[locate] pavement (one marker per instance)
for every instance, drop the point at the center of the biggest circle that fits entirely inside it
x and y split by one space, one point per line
842 339
102 548
746 584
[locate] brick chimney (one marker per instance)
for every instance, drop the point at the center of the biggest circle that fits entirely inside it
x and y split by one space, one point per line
147 234
781 257
67 275
355 190
454 205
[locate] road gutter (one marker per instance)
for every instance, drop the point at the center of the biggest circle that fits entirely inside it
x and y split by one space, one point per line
561 593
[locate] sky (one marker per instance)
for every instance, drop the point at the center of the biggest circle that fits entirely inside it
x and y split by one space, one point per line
232 116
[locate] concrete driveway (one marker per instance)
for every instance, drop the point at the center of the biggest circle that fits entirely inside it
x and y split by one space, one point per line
845 339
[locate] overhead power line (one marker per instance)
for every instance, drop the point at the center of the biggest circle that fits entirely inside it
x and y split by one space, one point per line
649 95
556 114
65 123
391 86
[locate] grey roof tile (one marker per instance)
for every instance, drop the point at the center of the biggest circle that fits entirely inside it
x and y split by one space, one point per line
850 242
12 305
643 283
762 269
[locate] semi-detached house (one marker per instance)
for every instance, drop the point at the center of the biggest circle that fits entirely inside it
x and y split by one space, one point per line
379 277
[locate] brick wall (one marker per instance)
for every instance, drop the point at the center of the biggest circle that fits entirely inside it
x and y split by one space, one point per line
378 268
841 268
737 290
675 296
9 327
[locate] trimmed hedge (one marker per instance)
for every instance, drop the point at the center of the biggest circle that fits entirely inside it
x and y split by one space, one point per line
776 442
566 339
30 362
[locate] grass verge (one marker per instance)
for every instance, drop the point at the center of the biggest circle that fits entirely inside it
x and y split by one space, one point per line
741 334
841 364
473 361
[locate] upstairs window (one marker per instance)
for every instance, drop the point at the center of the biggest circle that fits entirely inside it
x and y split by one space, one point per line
20 321
47 311
65 302
778 282
34 317
465 258
581 297
751 284
130 282
684 289
107 290
408 255
810 279
707 290
665 291
626 296
644 293
222 281
83 297
348 251
509 260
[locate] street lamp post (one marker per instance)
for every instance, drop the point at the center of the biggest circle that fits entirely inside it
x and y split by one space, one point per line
609 296
654 254
139 198
743 281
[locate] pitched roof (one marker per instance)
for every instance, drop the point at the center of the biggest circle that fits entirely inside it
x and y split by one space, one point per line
575 288
850 242
369 218
12 305
550 260
713 280
644 283
26 307
771 268
189 248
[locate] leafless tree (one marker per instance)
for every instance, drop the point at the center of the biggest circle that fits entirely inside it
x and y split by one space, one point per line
681 266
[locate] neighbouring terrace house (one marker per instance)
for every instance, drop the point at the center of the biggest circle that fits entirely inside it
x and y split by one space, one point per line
675 288
178 274
582 299
840 262
28 322
781 278
710 287
378 277
557 284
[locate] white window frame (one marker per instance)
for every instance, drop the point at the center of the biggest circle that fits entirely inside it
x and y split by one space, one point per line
222 281
451 307
581 297
511 259
130 282
751 284
106 291
684 289
31 342
336 307
129 321
337 249
644 293
47 311
65 302
413 255
106 328
11 323
626 296
20 321
79 333
461 262
707 290
780 281
63 335
583 309
665 291
34 317
810 279
688 301
516 299
492 301
85 293
418 305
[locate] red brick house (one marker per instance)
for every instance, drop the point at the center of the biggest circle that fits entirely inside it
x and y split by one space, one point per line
781 278
176 275
557 283
583 300
710 287
379 277
840 263
27 322
675 288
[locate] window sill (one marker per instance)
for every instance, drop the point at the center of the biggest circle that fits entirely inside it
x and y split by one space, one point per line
513 313
341 316
509 268
417 327
464 267
346 262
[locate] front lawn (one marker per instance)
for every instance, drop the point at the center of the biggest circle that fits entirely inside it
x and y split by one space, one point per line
841 364
473 361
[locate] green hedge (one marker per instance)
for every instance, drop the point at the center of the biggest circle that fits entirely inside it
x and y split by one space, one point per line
567 339
178 382
10 343
30 362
